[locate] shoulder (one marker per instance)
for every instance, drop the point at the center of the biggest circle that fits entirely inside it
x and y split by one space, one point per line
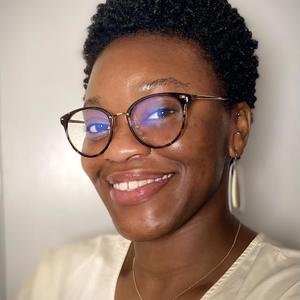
102 250
272 271
275 256
101 247
73 264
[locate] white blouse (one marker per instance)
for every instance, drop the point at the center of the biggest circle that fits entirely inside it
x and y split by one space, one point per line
89 271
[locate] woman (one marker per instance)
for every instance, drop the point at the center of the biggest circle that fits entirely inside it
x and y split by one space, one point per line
170 89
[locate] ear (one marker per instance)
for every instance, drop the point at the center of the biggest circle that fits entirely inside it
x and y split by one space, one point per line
241 120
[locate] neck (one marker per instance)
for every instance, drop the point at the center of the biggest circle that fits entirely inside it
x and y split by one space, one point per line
168 265
203 241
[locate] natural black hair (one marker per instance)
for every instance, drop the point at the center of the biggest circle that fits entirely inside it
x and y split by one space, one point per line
217 27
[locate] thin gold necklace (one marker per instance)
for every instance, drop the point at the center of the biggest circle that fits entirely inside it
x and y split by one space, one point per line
198 280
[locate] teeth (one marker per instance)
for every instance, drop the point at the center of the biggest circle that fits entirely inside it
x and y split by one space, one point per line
142 182
123 186
132 185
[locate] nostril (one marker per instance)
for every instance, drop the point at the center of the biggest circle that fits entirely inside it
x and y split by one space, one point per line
134 156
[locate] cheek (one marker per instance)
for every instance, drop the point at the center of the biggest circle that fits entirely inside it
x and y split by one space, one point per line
201 152
208 144
204 140
90 167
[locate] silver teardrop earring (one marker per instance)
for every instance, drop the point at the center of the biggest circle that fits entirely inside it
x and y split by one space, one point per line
234 197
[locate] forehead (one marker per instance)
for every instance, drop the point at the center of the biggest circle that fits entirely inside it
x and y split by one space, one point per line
136 65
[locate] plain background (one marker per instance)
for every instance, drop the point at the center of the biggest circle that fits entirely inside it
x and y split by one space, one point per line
46 199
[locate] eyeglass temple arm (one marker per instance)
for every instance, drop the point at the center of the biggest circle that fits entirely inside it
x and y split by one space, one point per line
64 120
76 121
206 97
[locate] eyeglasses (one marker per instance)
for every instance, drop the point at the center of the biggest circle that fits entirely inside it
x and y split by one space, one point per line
156 121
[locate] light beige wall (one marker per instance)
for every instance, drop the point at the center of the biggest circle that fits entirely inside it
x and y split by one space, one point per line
49 201
272 159
2 223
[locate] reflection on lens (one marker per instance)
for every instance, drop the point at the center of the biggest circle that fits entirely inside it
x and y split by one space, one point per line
157 121
89 131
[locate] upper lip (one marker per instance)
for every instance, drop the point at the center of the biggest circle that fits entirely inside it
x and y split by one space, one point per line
134 174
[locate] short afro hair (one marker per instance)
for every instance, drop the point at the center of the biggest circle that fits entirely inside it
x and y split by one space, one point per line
214 25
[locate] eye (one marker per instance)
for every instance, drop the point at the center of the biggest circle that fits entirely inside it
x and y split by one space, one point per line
97 130
160 114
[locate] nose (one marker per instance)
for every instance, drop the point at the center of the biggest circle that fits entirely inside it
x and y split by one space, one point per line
124 145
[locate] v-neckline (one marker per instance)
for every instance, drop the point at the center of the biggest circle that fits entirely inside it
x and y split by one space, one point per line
218 284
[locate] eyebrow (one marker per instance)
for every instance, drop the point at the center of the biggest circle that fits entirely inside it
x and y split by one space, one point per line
161 82
144 86
94 101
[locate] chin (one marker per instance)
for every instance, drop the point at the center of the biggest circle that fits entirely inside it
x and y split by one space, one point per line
143 231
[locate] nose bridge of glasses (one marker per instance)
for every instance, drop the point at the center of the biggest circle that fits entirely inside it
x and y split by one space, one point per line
120 114
116 115
124 141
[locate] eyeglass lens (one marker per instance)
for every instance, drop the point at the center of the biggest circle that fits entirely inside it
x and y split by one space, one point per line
155 121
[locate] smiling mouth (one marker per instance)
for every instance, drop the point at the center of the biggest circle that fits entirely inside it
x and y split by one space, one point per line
126 191
133 185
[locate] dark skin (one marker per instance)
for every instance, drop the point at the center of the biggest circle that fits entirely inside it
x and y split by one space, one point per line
185 229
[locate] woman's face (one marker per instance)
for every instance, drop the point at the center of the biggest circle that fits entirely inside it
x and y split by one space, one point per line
180 178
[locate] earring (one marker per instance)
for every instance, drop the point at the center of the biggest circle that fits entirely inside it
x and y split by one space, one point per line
234 200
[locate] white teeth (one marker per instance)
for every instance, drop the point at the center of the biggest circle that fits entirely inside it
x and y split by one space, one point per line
142 182
132 185
122 186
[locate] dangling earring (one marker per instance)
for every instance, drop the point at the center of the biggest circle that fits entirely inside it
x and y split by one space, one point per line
234 197
236 187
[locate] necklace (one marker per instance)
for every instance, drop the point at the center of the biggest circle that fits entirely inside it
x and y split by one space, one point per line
198 280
